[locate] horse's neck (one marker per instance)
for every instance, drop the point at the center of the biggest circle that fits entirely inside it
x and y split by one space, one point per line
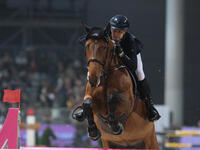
116 62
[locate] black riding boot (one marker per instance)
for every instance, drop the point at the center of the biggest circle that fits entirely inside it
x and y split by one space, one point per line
145 94
78 114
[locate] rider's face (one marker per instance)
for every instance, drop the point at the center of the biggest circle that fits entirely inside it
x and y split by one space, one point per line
117 34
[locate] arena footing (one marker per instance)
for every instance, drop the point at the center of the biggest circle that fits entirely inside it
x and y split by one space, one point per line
62 148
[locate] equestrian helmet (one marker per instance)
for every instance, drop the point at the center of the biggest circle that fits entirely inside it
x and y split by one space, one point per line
119 22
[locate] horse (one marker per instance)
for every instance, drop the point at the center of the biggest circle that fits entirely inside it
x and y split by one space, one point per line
113 111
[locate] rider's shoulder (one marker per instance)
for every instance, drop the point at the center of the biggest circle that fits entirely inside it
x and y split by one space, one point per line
130 35
131 38
137 44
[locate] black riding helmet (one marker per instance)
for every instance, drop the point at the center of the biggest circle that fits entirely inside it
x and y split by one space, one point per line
119 22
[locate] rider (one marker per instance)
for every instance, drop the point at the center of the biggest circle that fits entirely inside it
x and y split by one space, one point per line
128 48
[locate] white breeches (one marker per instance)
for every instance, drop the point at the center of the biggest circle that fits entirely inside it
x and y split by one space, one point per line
139 71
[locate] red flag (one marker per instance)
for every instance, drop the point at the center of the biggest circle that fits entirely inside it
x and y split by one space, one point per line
11 96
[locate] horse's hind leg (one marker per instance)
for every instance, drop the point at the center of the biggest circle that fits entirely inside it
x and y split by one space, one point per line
93 131
116 126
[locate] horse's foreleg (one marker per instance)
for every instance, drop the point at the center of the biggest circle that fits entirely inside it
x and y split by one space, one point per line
151 140
116 126
93 131
105 143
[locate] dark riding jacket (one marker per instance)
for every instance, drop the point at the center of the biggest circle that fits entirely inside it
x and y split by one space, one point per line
131 47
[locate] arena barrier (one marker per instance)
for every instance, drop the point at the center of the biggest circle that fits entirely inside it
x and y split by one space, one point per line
55 148
179 145
181 133
9 132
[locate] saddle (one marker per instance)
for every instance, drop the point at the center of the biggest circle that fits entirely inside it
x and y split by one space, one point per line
134 81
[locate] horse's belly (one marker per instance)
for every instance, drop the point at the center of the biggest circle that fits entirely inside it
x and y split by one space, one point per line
133 145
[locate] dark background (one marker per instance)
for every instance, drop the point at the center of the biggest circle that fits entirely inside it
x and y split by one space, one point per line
192 62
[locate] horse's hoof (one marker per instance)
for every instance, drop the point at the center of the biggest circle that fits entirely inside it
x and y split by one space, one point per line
78 114
94 135
119 130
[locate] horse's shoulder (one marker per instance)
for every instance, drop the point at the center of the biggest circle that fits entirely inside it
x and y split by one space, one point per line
141 108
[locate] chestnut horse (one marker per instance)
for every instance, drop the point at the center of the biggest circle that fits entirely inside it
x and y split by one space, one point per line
113 111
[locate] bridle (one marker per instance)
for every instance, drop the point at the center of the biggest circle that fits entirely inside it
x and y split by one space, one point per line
102 63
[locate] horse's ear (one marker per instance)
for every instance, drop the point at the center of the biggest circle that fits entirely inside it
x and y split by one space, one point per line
107 29
82 40
86 27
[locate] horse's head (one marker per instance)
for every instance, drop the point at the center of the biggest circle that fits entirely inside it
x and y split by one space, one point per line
98 53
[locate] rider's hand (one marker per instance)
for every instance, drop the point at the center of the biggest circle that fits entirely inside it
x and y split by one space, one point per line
118 49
